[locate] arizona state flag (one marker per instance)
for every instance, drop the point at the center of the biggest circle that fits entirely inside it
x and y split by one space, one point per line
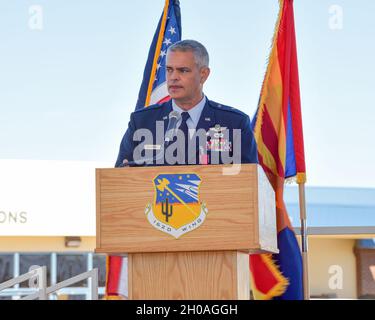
277 127
153 90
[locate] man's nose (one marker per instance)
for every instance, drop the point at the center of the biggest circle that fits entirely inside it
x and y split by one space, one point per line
173 76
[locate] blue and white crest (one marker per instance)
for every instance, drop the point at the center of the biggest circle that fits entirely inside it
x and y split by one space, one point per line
176 209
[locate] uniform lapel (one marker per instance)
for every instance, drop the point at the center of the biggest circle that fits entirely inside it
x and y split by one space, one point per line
207 119
166 110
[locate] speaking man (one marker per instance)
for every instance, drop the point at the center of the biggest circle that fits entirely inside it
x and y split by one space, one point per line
190 128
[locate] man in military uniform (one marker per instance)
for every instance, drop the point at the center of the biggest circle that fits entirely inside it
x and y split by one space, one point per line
227 131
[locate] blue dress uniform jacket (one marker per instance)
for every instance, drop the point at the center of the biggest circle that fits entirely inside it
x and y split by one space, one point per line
214 115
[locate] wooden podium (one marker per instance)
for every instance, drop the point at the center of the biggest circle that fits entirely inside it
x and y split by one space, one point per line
210 262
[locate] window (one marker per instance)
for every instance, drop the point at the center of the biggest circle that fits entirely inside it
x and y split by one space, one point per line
28 260
60 266
6 267
70 265
99 262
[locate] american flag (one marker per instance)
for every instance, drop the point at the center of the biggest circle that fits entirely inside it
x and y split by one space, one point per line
153 90
154 87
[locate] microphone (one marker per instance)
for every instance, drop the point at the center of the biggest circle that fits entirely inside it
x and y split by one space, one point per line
174 119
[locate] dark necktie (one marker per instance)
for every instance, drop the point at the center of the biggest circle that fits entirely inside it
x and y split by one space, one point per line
184 128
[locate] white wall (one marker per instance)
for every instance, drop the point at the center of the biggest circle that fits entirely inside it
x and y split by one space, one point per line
48 198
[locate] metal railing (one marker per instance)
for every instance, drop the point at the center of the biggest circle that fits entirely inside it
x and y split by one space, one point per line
38 274
37 277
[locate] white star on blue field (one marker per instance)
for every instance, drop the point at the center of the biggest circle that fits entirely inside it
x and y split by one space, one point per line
185 186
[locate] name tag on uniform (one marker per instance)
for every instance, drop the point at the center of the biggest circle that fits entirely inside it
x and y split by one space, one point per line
152 146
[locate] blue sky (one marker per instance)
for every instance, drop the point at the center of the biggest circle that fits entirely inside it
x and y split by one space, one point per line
66 91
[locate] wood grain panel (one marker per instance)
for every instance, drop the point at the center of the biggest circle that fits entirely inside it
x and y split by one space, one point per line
232 201
243 276
98 206
188 275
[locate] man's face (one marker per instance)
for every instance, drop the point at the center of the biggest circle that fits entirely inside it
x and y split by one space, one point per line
185 80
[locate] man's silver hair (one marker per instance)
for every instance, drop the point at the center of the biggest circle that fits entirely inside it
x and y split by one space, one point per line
198 49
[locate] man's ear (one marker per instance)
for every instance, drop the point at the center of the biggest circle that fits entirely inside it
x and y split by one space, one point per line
205 72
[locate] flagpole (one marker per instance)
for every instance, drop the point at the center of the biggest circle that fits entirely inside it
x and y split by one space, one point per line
302 207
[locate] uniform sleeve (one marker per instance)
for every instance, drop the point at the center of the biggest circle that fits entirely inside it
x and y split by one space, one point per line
249 152
127 144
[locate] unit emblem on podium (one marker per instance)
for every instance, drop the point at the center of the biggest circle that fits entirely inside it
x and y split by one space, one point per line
176 209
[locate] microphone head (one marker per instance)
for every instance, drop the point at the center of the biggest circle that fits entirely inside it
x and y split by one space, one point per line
174 115
174 118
